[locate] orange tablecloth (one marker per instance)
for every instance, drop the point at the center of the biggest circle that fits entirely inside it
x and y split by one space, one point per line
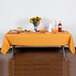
50 39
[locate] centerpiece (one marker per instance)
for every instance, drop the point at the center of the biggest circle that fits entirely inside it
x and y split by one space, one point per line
35 21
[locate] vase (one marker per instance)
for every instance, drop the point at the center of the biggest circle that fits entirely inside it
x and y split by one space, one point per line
50 28
35 27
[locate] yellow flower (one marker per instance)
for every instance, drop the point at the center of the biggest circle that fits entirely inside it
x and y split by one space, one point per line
31 18
36 16
39 18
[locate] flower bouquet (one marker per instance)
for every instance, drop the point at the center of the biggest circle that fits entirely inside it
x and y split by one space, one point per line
35 21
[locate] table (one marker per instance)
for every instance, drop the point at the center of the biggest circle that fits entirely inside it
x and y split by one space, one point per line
38 39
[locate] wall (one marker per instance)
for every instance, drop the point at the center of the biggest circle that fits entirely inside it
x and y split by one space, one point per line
15 13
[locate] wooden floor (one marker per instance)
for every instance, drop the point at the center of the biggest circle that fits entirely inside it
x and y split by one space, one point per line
38 62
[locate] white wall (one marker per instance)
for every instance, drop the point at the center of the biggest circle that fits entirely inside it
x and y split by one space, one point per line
15 13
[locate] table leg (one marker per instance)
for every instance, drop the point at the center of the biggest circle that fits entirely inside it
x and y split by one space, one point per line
12 58
63 52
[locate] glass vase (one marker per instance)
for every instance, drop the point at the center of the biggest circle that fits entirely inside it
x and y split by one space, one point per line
35 27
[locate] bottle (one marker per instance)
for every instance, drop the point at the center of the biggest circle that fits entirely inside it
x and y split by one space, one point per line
60 26
55 27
